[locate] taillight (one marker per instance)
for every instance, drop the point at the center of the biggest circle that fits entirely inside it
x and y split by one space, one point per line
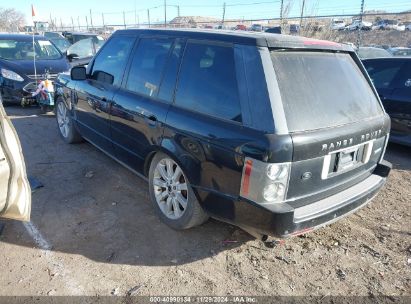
264 182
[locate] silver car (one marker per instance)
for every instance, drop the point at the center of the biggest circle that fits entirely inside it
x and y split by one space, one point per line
15 192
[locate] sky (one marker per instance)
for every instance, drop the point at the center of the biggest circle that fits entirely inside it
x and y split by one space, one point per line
63 11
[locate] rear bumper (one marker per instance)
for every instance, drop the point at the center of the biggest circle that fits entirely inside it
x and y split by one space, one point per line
331 209
281 220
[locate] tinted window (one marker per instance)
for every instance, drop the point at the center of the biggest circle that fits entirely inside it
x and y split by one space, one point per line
383 72
112 59
169 78
207 81
322 90
147 66
23 50
403 79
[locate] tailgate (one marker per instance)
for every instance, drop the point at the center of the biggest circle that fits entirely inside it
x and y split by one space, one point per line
328 161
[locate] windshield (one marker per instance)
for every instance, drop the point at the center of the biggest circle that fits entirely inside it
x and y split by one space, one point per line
23 50
364 53
321 90
85 48
61 44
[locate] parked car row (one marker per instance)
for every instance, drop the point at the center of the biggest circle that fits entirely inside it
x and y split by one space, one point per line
386 24
22 67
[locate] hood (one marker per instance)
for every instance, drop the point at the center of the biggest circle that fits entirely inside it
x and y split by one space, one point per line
26 67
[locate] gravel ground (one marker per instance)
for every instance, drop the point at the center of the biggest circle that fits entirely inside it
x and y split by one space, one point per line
94 232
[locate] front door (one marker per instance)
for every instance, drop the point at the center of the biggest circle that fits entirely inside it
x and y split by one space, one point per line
95 94
140 108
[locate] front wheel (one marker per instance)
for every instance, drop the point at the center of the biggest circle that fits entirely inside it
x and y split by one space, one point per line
172 196
65 124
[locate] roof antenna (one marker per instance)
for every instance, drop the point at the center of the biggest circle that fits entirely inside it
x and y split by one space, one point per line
33 14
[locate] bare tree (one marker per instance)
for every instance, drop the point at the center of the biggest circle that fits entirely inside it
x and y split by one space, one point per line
11 20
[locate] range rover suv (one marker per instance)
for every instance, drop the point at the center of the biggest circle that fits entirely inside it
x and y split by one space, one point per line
276 134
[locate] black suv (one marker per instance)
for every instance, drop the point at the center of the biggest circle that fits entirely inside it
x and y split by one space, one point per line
392 79
276 134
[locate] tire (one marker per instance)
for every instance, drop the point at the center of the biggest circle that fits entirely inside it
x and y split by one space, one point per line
65 123
168 194
44 109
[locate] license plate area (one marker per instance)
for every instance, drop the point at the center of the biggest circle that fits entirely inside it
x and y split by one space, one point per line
345 160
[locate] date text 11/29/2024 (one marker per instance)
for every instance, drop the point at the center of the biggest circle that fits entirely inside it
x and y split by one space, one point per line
203 299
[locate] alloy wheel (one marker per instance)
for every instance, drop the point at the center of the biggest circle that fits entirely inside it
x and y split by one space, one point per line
62 119
170 188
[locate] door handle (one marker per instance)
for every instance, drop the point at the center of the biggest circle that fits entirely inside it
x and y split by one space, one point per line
151 120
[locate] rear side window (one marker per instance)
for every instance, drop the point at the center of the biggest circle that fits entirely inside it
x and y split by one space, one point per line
383 72
207 81
321 90
147 65
112 59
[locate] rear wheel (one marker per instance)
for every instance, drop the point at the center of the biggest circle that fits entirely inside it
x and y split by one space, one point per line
172 196
65 123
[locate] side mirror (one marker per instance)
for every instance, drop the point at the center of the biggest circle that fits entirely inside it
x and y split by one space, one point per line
78 73
71 57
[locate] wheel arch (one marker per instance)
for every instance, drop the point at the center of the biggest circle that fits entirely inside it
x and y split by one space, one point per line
190 165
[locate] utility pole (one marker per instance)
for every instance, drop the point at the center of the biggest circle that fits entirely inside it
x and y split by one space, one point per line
72 23
124 20
61 24
87 23
52 23
165 13
281 15
148 17
104 24
78 22
178 10
91 20
360 26
222 22
135 13
301 17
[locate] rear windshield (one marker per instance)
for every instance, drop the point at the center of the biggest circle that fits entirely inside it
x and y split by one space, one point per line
321 90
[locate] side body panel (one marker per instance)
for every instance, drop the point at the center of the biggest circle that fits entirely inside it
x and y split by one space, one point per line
15 194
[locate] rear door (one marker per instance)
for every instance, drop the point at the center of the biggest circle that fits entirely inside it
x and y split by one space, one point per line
398 105
15 193
140 108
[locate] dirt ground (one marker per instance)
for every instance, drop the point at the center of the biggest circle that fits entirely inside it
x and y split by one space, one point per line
94 232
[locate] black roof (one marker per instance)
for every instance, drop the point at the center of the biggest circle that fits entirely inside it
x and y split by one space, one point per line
22 37
242 37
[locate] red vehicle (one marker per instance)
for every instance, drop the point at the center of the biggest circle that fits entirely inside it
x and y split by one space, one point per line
241 27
